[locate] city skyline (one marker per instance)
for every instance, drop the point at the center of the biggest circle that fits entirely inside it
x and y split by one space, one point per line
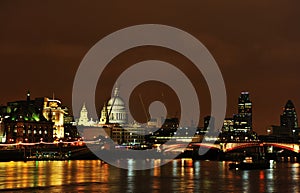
241 120
256 51
150 96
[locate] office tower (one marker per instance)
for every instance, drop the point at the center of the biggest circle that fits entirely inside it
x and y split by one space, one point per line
243 120
289 117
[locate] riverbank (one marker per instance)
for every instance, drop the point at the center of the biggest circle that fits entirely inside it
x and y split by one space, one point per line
84 153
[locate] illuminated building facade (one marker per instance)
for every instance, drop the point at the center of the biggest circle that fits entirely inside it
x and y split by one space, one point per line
239 128
243 120
53 111
23 121
84 119
115 110
228 125
114 120
32 120
20 130
128 135
2 131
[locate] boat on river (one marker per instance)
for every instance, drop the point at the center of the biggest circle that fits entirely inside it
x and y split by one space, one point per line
249 164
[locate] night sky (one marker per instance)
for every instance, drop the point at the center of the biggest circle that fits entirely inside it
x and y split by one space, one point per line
255 43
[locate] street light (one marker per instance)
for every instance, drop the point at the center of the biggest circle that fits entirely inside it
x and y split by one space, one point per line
294 138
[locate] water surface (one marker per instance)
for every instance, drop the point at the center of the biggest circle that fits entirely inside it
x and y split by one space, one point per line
176 176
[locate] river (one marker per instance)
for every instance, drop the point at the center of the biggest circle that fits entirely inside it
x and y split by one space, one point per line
181 175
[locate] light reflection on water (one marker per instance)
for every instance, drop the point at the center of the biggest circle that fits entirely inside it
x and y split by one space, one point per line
183 175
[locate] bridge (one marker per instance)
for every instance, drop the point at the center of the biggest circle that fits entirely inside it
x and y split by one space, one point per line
232 146
227 147
181 147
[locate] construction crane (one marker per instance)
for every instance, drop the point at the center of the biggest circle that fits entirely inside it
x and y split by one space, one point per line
110 110
146 114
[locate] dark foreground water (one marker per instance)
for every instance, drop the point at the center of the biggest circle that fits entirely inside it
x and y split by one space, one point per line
176 176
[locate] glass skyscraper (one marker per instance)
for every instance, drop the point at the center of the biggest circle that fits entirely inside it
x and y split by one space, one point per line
289 117
243 120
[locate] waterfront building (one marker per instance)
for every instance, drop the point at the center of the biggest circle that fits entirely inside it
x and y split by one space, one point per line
71 132
55 112
28 131
165 133
70 129
130 134
2 131
239 128
23 121
32 120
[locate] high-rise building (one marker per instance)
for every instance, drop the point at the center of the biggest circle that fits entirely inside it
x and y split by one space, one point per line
288 124
289 117
243 120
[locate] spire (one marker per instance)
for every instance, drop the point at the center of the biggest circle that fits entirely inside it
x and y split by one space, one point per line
83 110
289 105
116 91
83 107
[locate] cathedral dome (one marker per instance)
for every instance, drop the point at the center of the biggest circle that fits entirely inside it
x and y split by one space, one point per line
115 110
116 101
